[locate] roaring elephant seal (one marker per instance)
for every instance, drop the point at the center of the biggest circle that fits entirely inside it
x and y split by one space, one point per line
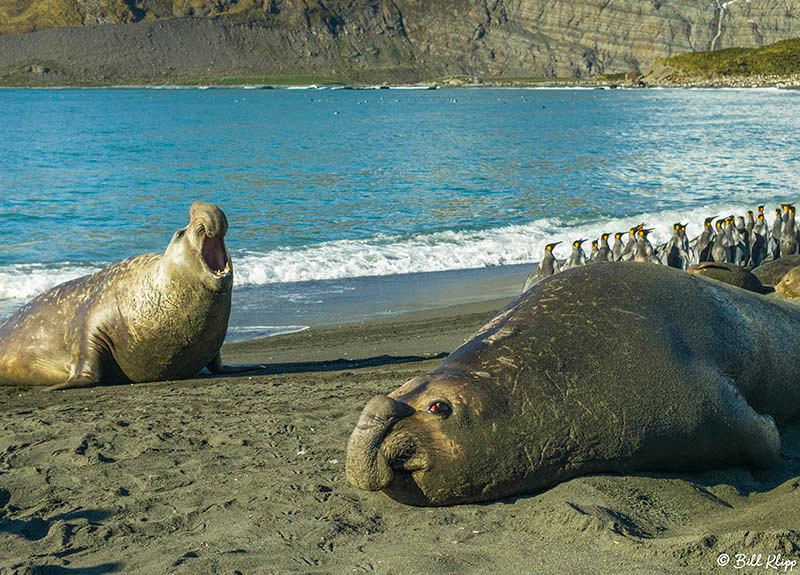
770 273
603 368
147 318
728 273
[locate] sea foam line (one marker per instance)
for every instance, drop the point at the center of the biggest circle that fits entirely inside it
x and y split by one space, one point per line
24 281
387 255
452 250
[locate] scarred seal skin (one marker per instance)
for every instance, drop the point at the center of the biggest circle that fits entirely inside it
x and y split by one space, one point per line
147 318
603 368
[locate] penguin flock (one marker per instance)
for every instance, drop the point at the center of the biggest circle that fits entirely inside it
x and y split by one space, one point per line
746 241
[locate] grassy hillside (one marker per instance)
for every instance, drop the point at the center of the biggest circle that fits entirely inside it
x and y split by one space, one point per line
22 16
779 59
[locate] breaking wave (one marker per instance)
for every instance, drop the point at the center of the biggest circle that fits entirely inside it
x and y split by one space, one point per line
386 255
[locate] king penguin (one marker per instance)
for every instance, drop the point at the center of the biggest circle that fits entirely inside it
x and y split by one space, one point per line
618 247
751 223
776 231
758 242
604 252
547 267
644 249
719 250
742 242
630 247
675 255
593 254
577 257
687 253
705 241
789 233
729 225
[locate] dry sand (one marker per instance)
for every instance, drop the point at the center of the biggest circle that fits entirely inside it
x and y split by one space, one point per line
245 475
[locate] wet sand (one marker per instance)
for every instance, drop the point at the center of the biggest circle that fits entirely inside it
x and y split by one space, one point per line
246 475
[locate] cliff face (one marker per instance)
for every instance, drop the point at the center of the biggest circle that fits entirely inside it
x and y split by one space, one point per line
400 40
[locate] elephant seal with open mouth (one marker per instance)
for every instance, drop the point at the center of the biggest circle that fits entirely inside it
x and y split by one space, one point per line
147 318
614 368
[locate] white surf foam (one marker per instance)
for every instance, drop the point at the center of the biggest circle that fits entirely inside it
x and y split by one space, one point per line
24 281
450 250
244 332
387 255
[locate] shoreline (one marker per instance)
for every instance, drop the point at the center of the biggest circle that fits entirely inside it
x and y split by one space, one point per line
367 339
791 82
246 474
355 300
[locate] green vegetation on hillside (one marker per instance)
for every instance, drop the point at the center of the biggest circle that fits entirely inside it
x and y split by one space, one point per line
779 59
22 16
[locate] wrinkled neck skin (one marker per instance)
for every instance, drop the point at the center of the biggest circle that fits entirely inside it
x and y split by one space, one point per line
176 310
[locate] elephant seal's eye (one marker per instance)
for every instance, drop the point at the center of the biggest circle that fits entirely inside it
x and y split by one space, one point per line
440 408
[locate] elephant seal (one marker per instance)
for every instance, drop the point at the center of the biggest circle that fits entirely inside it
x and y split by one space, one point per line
147 318
770 273
789 286
730 274
615 368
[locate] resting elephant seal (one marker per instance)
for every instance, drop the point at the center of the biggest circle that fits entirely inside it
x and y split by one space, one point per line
770 273
789 286
603 368
147 318
730 274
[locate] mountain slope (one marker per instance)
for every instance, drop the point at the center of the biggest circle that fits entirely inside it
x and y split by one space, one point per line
366 40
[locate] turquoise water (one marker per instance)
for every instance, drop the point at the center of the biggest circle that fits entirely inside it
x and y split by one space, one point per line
347 204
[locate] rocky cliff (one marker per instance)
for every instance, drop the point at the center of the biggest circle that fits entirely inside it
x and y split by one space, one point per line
145 41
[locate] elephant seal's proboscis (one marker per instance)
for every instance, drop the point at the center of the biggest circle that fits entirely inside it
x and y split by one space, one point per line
151 317
604 368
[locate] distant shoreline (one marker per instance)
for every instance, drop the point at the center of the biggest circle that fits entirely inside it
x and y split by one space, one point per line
790 83
781 82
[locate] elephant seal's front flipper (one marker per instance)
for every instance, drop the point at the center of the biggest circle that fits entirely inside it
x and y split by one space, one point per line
152 317
216 367
92 359
753 438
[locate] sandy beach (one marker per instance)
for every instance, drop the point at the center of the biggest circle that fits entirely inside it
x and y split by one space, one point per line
245 475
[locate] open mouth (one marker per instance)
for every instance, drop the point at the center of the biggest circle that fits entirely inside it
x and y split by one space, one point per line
215 256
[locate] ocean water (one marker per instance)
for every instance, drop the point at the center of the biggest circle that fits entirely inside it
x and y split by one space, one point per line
346 205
